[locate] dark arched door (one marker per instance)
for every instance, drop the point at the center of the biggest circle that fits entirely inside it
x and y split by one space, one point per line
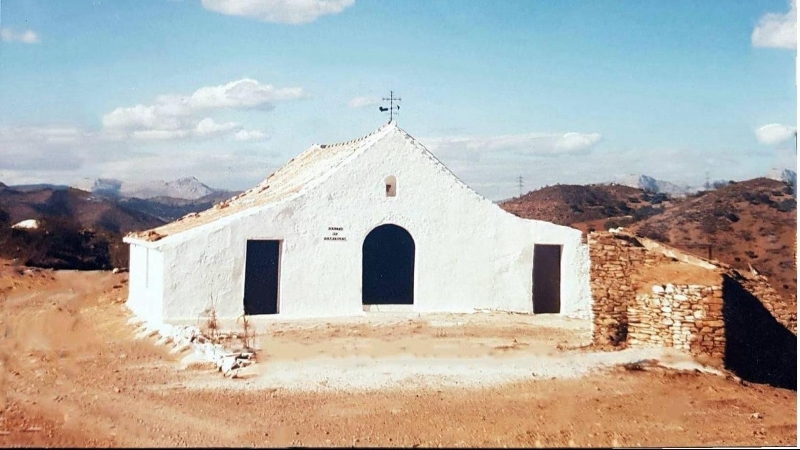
388 267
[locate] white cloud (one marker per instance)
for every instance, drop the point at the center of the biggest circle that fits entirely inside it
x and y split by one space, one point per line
208 127
514 145
25 37
56 148
242 94
177 117
774 133
142 117
281 11
68 155
572 142
777 30
168 112
361 102
254 135
159 135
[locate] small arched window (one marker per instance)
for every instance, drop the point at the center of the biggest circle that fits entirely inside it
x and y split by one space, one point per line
391 186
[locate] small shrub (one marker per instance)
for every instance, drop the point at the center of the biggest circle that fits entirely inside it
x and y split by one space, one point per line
645 212
655 233
764 199
211 324
787 205
619 335
610 211
708 225
248 332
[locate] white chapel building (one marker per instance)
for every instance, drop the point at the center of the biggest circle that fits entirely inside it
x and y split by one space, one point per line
376 223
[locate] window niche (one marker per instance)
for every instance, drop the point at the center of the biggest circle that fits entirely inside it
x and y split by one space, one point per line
391 186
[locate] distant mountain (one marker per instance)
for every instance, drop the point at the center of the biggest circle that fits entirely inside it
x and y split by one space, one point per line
36 187
189 188
169 208
85 209
650 184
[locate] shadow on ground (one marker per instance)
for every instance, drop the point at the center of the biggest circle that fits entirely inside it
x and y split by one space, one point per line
758 348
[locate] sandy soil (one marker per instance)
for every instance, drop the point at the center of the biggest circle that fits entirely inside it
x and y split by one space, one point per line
676 273
72 374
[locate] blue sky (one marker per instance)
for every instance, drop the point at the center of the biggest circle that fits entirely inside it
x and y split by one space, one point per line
557 92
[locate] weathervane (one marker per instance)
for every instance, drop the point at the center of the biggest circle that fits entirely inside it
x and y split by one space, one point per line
392 106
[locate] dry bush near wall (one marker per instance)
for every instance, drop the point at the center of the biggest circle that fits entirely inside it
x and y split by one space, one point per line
248 333
210 326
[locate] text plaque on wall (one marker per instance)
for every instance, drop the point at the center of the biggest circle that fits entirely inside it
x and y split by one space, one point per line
334 234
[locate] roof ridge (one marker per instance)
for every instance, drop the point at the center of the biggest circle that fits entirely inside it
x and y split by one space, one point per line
357 140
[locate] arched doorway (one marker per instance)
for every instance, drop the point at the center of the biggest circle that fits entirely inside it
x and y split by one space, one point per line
387 275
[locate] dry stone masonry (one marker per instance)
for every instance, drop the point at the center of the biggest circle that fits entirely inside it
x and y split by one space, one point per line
690 317
614 260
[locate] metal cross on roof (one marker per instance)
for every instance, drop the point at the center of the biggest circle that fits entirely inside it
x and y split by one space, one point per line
392 105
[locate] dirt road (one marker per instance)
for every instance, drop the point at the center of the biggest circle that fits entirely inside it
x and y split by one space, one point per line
72 374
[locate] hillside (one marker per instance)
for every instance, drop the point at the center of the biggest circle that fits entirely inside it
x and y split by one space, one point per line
86 209
83 230
78 229
169 209
587 207
751 222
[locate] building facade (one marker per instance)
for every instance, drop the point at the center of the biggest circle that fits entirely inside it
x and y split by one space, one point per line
369 224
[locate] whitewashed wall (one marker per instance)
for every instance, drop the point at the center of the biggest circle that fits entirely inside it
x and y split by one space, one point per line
470 254
145 283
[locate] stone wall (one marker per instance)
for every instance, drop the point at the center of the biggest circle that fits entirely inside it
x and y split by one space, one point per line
685 316
614 260
688 317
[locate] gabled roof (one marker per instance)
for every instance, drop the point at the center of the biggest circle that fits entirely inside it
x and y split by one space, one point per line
299 174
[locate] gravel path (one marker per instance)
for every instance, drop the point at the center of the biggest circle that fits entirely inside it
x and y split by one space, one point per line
408 372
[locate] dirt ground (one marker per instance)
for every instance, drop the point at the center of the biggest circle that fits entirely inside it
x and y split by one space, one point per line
72 374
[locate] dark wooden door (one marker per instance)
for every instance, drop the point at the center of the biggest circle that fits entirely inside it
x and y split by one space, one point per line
546 279
261 277
388 267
